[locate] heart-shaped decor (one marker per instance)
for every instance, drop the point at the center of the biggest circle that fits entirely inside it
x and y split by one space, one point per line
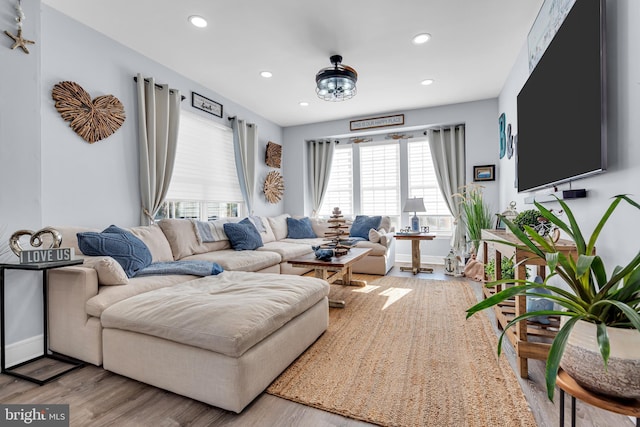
94 119
35 239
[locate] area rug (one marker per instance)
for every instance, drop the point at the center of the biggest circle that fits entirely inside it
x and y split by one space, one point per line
402 354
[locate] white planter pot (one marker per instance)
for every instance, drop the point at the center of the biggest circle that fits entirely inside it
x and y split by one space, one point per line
583 362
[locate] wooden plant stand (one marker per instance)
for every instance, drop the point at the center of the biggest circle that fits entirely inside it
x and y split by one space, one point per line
531 340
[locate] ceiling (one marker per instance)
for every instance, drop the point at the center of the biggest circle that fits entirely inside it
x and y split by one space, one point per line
474 44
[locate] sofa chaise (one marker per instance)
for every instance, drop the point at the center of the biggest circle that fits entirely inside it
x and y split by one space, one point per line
219 339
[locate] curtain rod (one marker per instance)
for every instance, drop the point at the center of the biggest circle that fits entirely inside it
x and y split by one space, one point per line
135 79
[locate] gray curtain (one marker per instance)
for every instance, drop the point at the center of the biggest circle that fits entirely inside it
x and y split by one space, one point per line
158 123
447 150
320 159
245 143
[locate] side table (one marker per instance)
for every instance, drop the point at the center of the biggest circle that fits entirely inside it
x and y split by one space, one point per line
44 267
415 251
567 384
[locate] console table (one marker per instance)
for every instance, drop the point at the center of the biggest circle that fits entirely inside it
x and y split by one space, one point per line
43 267
567 384
415 251
519 335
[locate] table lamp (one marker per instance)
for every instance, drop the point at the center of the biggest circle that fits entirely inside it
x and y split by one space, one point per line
415 205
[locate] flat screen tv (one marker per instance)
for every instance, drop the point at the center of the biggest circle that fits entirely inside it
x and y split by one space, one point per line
562 106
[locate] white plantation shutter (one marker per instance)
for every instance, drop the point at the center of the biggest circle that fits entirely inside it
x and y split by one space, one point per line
340 188
380 179
205 168
422 178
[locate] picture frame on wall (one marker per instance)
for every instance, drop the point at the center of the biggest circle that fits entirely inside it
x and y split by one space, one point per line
484 173
205 104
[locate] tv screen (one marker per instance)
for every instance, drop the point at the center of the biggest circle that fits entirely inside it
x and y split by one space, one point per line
561 107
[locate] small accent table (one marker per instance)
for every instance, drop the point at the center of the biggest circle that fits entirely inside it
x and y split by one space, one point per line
340 266
415 251
567 384
75 364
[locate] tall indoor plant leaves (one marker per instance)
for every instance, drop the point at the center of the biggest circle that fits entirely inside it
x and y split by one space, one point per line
612 301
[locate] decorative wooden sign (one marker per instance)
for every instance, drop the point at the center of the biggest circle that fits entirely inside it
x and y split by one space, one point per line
93 119
205 104
273 154
46 255
377 122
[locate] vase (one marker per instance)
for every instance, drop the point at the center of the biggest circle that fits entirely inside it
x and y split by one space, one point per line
583 362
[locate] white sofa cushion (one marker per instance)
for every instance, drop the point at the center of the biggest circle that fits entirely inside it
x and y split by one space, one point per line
279 226
230 259
286 249
183 241
154 238
228 313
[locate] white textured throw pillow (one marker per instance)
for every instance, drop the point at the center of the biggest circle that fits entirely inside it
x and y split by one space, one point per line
109 271
375 235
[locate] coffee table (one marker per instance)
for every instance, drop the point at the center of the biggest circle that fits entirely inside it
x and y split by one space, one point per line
336 270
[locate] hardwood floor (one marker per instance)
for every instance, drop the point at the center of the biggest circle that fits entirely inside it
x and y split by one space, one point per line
101 398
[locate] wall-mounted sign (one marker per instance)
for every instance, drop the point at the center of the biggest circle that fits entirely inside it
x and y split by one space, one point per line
377 122
205 104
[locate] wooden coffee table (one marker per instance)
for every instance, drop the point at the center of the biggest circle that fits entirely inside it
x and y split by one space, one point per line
336 270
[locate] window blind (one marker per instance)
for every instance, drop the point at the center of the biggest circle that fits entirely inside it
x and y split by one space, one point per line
422 178
205 168
380 179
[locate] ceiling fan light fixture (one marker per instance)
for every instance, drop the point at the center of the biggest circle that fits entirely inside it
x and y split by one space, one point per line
337 83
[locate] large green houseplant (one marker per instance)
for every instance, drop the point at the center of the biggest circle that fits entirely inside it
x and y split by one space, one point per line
596 297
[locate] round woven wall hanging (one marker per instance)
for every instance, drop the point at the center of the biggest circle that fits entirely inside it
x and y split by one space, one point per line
273 187
92 119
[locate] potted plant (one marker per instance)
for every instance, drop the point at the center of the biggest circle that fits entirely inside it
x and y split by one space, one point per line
528 217
475 212
603 304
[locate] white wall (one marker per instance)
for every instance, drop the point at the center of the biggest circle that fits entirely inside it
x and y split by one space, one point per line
619 239
481 124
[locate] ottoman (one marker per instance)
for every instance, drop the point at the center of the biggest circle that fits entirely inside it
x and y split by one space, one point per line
220 339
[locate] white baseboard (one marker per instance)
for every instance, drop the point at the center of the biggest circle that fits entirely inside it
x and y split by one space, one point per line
21 351
406 258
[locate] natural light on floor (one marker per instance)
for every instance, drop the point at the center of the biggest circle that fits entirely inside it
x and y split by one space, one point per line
393 295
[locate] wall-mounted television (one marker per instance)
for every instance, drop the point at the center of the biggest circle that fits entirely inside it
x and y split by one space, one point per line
562 106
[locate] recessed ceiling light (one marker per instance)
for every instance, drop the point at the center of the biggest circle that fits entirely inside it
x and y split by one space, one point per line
421 38
266 74
303 104
426 82
198 21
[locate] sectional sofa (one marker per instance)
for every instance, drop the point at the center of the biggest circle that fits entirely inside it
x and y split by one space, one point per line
220 339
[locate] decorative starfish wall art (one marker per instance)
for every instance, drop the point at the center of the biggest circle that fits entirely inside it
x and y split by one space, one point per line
18 40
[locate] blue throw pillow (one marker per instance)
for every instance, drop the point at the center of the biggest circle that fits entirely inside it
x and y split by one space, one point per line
535 303
362 224
300 228
243 235
128 250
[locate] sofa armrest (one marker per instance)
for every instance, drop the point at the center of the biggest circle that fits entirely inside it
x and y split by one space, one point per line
386 239
71 330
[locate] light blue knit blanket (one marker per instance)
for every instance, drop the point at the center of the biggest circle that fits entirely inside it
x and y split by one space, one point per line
193 267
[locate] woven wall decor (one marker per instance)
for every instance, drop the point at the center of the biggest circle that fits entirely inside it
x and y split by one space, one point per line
273 154
273 187
92 119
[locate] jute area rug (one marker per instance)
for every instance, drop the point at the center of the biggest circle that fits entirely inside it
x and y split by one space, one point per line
402 354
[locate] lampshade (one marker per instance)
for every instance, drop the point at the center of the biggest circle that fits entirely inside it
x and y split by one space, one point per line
337 83
414 205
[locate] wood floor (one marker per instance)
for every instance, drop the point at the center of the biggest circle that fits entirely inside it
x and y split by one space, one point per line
100 398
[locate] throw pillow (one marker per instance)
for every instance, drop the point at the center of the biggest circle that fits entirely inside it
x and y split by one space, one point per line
243 235
130 252
300 228
108 270
362 224
535 303
375 236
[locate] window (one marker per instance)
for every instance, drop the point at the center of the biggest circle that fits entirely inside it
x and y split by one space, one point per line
340 188
423 183
204 184
380 180
372 179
